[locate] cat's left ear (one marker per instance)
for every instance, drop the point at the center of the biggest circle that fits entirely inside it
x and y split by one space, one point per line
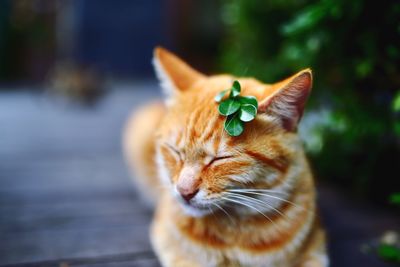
285 100
174 74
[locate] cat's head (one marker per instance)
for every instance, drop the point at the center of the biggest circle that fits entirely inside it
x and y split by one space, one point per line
207 169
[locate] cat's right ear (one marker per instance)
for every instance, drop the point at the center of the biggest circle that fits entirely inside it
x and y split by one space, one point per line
174 74
285 100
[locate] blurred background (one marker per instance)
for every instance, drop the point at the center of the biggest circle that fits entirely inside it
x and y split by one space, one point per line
72 70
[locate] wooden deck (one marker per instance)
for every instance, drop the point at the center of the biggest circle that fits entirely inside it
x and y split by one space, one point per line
66 199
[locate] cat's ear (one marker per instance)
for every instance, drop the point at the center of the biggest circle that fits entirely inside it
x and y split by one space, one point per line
173 73
285 100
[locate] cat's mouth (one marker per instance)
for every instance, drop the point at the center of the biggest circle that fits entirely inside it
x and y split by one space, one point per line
196 210
197 206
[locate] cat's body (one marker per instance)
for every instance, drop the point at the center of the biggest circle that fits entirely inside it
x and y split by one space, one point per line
226 201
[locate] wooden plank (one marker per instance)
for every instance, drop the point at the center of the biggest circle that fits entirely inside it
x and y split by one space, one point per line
68 177
39 246
140 259
67 216
64 189
136 263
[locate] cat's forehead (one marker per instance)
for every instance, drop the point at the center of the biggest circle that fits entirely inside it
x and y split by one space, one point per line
203 92
196 123
218 83
193 118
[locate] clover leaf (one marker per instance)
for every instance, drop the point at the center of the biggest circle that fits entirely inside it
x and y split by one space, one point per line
235 91
228 107
251 100
247 112
221 95
238 109
233 125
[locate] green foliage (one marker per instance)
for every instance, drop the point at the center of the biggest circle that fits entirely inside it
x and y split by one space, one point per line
353 48
396 103
389 246
395 198
238 109
389 252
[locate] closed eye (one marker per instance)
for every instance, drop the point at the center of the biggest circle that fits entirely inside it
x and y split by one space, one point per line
219 159
174 150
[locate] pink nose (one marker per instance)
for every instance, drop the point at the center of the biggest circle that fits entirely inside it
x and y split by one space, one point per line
187 194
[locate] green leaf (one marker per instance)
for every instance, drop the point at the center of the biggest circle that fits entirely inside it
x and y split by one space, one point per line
235 89
395 198
397 128
251 100
389 252
247 112
233 125
220 95
228 107
396 103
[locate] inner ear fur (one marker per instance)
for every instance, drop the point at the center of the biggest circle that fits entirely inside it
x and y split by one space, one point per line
286 99
173 73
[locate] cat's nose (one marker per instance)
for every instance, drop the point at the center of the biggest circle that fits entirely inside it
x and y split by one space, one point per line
187 194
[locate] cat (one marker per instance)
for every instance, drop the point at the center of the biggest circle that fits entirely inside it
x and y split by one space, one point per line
220 200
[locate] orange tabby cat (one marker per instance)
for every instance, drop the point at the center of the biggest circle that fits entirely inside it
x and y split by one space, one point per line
222 200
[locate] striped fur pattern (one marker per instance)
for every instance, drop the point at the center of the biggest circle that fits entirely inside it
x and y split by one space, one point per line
254 201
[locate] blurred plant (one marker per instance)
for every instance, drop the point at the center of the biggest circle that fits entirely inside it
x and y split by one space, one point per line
389 247
395 199
354 50
396 109
389 252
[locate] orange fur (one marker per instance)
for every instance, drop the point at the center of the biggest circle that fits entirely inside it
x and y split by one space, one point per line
183 143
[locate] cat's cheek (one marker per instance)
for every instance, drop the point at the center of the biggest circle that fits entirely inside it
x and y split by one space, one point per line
162 169
200 198
272 177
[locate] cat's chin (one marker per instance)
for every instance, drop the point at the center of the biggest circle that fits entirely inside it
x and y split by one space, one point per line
195 211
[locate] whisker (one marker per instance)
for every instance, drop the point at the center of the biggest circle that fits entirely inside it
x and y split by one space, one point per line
260 202
224 211
244 190
282 199
251 207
